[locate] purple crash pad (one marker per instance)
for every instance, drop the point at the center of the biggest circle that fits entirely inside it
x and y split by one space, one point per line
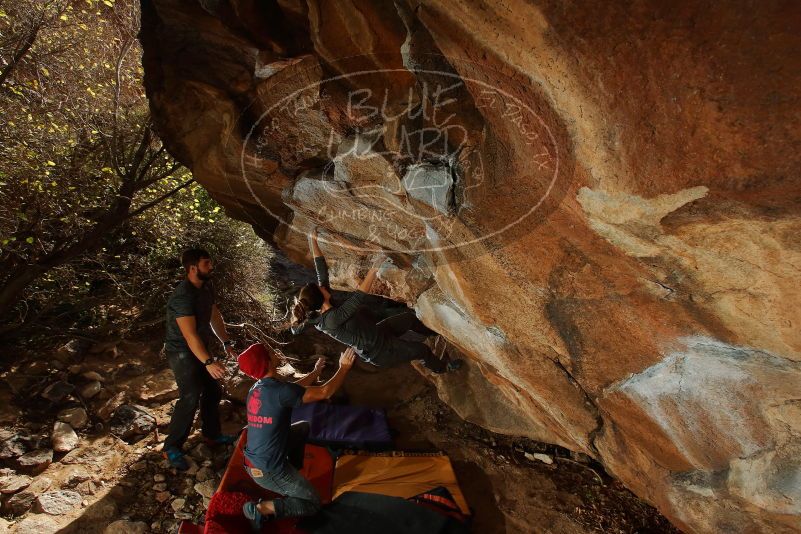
341 425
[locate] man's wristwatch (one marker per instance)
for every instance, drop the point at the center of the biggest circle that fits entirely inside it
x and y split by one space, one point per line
208 362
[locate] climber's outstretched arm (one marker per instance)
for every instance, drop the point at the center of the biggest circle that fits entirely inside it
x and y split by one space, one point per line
319 261
315 248
369 278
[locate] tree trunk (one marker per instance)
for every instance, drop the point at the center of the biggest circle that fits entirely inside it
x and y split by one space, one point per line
15 285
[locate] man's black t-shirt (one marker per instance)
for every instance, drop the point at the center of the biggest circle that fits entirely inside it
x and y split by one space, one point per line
187 300
269 407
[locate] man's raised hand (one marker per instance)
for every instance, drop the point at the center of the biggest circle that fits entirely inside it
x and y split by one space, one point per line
348 358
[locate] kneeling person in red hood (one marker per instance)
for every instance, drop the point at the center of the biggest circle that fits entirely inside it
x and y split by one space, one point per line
274 450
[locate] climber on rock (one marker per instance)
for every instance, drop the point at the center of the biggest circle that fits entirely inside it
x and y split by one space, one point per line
274 450
372 330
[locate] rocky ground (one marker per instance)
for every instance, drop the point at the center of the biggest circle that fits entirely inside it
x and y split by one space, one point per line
82 431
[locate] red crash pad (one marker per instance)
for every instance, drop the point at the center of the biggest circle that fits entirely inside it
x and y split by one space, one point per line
318 468
224 514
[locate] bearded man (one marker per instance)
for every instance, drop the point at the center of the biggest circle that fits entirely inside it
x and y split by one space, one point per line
192 317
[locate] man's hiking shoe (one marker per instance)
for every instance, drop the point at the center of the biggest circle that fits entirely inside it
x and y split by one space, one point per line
176 458
251 511
222 439
455 365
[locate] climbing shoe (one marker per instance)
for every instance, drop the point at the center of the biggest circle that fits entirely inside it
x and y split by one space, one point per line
251 511
222 439
455 365
176 458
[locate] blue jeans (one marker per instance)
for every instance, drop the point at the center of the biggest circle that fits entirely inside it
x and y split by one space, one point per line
299 496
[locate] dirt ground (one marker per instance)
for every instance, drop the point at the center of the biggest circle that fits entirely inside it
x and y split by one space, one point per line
128 487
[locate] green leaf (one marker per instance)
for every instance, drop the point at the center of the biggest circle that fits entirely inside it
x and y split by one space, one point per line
29 240
51 163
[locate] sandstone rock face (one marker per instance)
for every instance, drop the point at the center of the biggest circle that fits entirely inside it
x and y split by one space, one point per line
598 206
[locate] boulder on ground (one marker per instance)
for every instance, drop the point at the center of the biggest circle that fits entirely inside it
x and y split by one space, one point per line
154 388
12 447
123 526
64 437
13 483
75 417
91 389
36 524
130 421
107 410
57 391
57 502
37 460
103 510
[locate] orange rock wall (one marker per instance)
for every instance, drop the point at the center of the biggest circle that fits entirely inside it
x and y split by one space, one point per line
597 203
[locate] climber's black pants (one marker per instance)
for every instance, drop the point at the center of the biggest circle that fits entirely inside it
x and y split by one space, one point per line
395 351
400 323
195 386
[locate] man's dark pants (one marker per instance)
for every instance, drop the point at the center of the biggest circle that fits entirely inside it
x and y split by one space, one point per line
195 386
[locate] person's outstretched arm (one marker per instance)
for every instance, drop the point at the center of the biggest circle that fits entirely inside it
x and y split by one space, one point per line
318 393
315 248
338 315
369 278
319 260
310 378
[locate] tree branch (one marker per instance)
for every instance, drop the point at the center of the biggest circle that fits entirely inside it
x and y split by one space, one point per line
19 54
162 198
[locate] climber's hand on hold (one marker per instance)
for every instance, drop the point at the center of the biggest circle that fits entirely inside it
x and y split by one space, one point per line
379 260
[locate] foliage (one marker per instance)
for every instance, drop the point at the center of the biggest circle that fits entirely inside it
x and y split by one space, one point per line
125 285
93 210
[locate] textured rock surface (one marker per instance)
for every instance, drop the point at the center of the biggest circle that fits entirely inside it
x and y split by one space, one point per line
57 502
131 422
75 417
14 483
37 460
126 527
598 206
64 437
